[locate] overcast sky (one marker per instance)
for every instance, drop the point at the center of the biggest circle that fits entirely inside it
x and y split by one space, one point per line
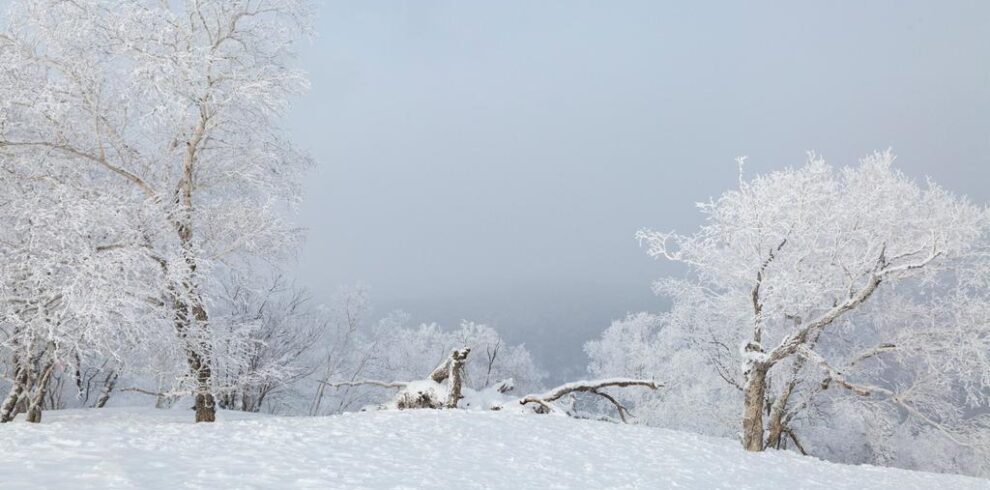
492 160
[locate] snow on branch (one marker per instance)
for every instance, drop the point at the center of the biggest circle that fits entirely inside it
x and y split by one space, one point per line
873 352
366 382
544 400
832 374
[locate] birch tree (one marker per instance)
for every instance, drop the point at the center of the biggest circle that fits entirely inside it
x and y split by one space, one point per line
172 107
804 277
64 296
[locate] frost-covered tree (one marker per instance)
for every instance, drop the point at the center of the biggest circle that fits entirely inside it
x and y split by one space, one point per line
814 287
262 340
170 107
66 293
640 346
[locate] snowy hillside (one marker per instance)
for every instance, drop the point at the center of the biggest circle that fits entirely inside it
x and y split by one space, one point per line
136 448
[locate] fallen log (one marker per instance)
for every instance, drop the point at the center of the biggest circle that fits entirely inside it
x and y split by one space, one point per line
544 401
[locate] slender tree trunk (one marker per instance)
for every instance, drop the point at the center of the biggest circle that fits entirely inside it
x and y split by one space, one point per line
41 387
314 408
227 400
108 384
754 403
247 404
191 305
775 426
9 408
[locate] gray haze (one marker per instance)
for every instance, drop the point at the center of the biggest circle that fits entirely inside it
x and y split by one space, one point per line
491 161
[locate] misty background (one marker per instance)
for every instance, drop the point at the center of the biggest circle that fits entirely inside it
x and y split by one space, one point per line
491 161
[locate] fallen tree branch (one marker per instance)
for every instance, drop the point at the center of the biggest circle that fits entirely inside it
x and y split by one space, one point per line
360 382
155 393
618 406
545 400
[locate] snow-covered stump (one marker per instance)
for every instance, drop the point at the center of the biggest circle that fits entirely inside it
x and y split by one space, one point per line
456 371
428 393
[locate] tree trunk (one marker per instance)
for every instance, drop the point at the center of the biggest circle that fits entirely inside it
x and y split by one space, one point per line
108 384
38 398
197 352
191 327
9 408
775 426
754 402
227 400
205 405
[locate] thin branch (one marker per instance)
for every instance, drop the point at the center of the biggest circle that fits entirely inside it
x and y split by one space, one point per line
546 399
88 156
359 382
875 351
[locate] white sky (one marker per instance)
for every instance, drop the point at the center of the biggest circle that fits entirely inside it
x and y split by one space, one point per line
492 160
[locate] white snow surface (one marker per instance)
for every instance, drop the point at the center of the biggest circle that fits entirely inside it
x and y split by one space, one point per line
156 449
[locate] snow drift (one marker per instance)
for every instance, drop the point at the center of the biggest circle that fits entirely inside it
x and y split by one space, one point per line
158 449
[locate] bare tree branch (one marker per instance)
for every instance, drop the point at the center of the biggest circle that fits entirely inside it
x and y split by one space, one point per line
546 399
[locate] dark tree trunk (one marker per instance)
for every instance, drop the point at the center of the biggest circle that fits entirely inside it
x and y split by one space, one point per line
108 385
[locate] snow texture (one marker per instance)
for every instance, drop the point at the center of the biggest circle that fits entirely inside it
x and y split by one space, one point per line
159 449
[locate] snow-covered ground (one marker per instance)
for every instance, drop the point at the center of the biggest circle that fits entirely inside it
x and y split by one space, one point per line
151 449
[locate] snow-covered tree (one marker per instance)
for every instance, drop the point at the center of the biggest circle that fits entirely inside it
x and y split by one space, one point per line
171 107
66 293
347 351
262 340
813 287
640 346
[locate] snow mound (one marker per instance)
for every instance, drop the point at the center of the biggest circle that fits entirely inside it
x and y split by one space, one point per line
155 449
